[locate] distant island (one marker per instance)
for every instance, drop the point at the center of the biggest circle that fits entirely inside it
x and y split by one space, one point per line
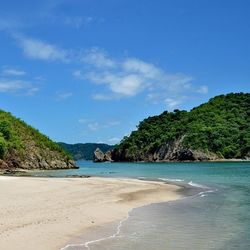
23 147
85 151
216 130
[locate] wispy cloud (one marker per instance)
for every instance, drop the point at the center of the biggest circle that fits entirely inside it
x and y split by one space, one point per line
114 140
172 103
98 58
78 21
202 90
39 78
38 49
64 95
125 77
129 77
13 72
94 125
85 120
17 87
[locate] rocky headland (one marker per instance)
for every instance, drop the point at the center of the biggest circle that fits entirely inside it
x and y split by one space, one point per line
23 147
214 131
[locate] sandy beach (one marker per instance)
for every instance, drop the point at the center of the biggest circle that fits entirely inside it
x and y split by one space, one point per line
46 213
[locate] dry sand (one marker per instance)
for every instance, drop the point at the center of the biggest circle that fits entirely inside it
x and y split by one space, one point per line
46 213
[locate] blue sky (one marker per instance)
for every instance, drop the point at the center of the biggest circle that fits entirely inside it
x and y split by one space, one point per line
90 70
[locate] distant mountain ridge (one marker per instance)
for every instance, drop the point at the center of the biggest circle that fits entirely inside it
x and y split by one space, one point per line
24 147
216 130
84 151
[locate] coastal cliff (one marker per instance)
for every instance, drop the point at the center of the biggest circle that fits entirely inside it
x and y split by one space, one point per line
23 147
217 130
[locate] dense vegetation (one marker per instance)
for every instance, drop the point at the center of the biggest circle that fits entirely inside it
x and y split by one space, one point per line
220 127
19 141
84 151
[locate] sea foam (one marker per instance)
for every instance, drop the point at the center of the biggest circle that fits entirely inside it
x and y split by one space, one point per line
88 243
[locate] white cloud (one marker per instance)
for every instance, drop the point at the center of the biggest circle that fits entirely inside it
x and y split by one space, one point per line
13 72
129 77
97 58
84 120
120 78
96 125
37 49
146 69
129 85
17 87
64 95
78 74
39 78
202 90
172 103
126 85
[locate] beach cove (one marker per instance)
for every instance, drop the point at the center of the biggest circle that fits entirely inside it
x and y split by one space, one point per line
47 213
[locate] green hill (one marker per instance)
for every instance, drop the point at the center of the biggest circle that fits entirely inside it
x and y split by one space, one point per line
22 146
219 129
84 151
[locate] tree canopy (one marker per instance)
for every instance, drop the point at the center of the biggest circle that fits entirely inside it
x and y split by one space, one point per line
220 126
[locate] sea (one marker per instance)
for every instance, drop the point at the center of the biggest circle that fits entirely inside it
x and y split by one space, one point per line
214 212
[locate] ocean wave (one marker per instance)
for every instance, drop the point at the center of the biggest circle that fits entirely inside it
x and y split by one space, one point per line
174 180
203 195
193 184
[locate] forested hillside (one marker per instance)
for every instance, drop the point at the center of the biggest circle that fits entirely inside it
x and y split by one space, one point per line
219 129
22 146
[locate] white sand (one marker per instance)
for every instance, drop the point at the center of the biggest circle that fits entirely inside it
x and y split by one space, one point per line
46 213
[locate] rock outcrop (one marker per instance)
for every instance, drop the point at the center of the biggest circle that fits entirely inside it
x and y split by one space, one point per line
99 156
35 159
84 151
175 151
170 151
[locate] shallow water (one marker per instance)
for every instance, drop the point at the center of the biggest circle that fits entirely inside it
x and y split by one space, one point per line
217 217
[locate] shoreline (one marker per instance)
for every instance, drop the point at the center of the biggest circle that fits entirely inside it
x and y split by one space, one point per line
50 212
187 161
21 172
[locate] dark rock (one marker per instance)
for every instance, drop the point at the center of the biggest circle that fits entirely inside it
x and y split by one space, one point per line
78 176
185 155
3 164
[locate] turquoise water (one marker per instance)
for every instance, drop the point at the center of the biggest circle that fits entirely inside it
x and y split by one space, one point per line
216 216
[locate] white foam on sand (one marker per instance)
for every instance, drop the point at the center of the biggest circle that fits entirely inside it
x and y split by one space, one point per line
88 243
173 180
193 184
